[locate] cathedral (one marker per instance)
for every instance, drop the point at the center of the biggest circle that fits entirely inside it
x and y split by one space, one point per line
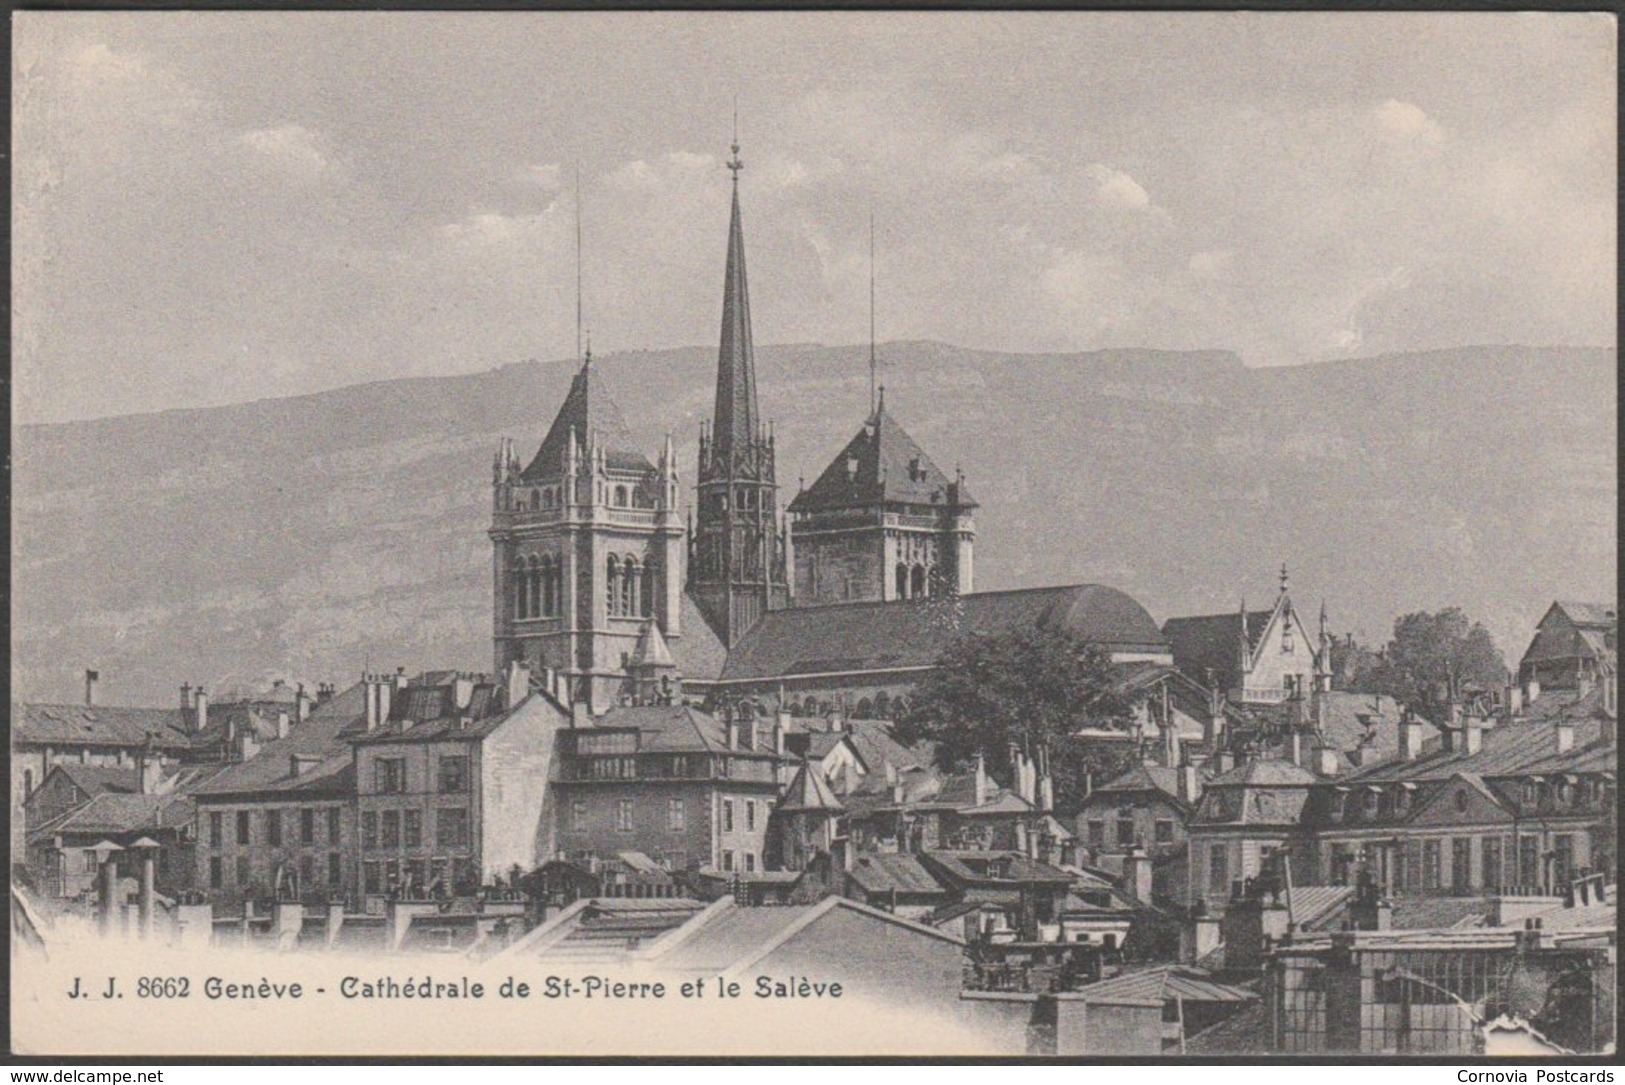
602 584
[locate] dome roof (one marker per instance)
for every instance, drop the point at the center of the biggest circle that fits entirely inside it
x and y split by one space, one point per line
1103 616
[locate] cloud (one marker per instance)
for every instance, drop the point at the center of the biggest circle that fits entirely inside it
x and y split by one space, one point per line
1408 122
1118 189
1210 264
292 147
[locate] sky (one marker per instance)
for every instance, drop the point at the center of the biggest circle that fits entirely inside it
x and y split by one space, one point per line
218 207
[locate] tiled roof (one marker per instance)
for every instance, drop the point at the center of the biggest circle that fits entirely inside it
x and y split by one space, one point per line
115 814
1164 983
876 744
913 633
993 866
427 710
1598 615
98 725
882 873
1264 772
97 779
808 791
1143 777
322 736
1209 642
882 463
587 410
1510 749
671 728
1245 1032
1314 906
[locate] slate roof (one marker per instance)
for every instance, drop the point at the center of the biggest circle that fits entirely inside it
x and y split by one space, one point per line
97 779
882 873
1315 906
1591 622
913 633
876 744
651 650
323 736
1143 777
1245 1032
734 417
587 409
97 725
1208 642
1265 772
699 652
891 468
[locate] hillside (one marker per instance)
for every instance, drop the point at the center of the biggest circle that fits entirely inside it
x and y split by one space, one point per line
313 535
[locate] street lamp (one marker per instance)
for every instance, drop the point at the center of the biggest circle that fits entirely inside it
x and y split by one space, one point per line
149 851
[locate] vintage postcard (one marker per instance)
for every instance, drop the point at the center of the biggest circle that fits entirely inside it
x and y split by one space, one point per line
1130 571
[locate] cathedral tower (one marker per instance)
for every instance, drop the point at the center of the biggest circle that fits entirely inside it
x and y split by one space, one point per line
737 556
587 547
882 523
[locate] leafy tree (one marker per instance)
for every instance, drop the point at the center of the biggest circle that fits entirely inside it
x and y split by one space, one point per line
1433 655
1030 687
1353 665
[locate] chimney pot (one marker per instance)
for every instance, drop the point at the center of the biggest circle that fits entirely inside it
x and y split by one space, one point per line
200 706
91 678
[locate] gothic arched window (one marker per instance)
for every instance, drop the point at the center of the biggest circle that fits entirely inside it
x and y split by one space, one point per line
646 592
518 585
550 598
533 588
631 582
613 585
902 581
917 582
556 582
620 496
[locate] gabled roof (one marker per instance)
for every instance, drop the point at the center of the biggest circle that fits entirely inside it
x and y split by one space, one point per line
591 415
321 738
671 728
98 725
1510 749
1211 643
427 709
1164 983
808 791
98 779
913 633
881 464
1142 777
116 814
1590 615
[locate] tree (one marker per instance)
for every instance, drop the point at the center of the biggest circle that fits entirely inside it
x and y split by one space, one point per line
1029 687
1433 657
1353 665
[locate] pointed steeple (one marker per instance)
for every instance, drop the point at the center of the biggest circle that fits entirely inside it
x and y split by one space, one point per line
735 421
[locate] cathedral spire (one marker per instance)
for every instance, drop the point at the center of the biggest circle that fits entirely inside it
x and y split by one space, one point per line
736 421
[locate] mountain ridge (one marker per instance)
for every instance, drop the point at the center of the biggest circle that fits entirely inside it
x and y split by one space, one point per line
310 535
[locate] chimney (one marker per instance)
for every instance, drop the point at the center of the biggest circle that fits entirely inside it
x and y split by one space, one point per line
91 678
200 705
1297 747
1472 735
282 724
1531 689
781 727
1410 736
733 732
462 689
301 703
580 714
518 683
1326 760
186 698
148 767
377 688
1565 735
1513 699
1137 873
981 779
400 677
1190 785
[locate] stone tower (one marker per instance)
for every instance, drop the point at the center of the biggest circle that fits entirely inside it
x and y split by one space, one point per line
587 547
737 556
882 523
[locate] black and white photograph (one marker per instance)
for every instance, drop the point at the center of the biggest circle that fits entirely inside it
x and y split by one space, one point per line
1130 570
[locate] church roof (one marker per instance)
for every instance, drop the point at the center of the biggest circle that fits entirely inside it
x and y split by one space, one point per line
882 463
587 410
808 791
735 422
699 652
913 633
651 650
1209 642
